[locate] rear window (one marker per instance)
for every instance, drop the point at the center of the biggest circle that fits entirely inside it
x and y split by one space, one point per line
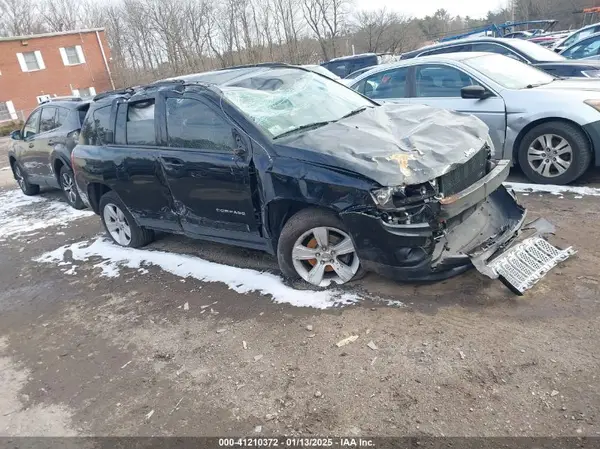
140 123
96 127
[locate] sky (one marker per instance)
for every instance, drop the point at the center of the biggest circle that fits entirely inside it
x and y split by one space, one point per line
421 8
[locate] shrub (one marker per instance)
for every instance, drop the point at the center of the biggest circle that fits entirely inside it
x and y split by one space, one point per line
7 127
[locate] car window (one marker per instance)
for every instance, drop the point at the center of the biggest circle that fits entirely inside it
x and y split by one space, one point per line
61 116
140 123
388 84
31 127
96 126
192 124
47 120
583 49
575 37
495 48
441 81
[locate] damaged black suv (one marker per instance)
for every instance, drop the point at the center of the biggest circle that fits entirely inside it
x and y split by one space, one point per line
281 159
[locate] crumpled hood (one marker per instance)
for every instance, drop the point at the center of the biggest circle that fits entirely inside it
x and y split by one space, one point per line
392 144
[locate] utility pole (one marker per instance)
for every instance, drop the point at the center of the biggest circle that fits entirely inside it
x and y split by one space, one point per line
513 4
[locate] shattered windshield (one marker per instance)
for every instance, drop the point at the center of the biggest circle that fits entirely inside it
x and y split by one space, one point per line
283 100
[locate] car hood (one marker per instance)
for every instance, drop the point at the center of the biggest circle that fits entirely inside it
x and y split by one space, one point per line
592 84
391 144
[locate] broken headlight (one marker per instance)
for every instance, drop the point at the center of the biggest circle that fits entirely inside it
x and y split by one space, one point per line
398 196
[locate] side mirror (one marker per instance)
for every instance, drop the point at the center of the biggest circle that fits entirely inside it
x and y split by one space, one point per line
474 93
16 134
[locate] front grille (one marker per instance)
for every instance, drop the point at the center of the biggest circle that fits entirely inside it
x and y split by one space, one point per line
465 175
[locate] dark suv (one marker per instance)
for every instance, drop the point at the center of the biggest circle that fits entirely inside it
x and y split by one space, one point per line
39 154
288 161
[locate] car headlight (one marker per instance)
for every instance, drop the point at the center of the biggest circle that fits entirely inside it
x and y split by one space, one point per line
404 195
383 197
593 103
591 73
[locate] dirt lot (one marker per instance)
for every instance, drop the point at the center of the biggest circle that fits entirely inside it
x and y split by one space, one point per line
89 346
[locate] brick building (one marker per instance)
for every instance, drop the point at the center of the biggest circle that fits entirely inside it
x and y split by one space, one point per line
34 68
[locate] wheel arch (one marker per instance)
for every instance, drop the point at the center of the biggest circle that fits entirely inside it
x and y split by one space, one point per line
279 211
541 121
95 190
57 165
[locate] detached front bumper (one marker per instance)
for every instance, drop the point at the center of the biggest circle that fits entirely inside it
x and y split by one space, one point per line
483 224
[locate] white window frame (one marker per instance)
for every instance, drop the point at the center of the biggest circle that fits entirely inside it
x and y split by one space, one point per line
91 89
11 110
42 98
65 59
38 58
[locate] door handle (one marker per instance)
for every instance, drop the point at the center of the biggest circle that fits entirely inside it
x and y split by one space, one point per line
31 145
172 161
52 142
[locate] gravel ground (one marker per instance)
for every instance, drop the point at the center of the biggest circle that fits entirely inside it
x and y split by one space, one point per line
152 353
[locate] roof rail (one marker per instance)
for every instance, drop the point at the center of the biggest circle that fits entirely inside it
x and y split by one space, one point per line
63 98
262 64
127 90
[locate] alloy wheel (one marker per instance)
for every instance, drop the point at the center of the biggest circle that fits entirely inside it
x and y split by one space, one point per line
323 255
68 186
117 224
550 155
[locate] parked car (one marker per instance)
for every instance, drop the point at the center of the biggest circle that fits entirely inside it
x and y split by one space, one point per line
549 126
576 36
519 35
588 48
39 153
345 65
280 159
518 49
322 70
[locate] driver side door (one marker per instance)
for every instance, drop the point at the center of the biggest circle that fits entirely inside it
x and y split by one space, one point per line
388 86
440 85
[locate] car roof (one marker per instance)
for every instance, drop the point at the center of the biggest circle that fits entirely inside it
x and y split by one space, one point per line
590 37
226 76
359 56
441 58
66 103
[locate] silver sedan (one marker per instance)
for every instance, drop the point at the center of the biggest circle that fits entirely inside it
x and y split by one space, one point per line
549 126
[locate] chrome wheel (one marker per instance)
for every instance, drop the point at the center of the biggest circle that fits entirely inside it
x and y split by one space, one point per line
69 187
117 225
323 255
20 178
550 155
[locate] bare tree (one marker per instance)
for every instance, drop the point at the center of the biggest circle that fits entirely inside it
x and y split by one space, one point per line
20 17
326 19
61 15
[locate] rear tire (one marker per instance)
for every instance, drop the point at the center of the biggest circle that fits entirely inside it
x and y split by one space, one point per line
67 184
562 148
120 224
27 188
314 245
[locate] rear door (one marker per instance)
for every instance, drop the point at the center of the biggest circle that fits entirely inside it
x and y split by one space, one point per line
206 161
440 85
135 171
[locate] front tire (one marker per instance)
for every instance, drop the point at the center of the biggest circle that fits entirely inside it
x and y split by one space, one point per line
120 224
67 184
555 153
314 245
27 188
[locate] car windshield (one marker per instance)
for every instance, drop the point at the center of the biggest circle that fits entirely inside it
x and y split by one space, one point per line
508 72
282 100
535 51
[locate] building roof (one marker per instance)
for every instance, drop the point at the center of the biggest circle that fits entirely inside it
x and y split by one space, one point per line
59 33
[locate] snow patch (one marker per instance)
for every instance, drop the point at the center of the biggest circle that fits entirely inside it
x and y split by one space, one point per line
23 215
241 280
553 189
